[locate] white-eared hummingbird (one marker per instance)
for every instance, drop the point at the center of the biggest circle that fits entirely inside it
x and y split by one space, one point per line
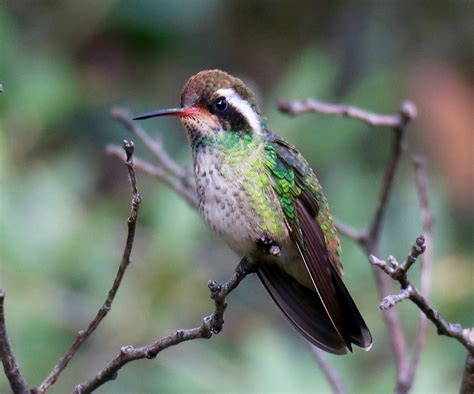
258 193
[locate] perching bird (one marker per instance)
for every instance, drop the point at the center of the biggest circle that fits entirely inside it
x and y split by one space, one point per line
258 193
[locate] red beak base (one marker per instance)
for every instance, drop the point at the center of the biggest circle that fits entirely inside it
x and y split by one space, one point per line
181 112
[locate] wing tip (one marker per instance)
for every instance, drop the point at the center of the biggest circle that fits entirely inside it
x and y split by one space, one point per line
367 348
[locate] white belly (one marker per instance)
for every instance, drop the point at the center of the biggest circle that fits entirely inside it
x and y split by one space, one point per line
223 205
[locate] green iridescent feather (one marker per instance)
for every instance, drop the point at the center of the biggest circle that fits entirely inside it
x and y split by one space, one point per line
243 155
283 171
291 177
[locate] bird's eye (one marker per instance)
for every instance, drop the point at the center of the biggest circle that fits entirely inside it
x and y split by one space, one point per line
220 104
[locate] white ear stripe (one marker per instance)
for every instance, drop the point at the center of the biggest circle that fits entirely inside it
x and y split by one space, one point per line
243 107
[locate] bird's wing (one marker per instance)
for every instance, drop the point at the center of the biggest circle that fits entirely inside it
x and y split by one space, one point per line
302 307
312 229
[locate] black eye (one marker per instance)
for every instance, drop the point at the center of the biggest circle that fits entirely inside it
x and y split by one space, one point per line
220 104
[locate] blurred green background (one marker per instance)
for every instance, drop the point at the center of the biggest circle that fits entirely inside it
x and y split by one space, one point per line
64 202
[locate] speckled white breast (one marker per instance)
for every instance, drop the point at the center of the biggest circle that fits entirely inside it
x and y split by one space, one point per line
223 204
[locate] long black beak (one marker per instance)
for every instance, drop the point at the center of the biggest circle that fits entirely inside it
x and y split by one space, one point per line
181 112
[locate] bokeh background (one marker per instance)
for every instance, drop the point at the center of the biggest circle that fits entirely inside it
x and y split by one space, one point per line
64 202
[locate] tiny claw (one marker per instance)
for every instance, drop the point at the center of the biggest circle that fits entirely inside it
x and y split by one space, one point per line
275 250
269 246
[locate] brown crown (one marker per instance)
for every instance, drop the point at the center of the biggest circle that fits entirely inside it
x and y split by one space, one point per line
200 88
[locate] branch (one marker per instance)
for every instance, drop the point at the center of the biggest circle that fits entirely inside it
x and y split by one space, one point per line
356 235
329 372
10 366
210 325
370 243
128 148
311 105
405 381
164 160
398 271
187 192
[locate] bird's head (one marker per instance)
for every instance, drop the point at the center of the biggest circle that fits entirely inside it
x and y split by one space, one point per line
214 101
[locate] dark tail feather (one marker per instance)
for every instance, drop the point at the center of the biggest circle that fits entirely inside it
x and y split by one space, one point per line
303 308
330 289
354 324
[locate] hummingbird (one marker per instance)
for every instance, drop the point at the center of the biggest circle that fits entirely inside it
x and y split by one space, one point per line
259 194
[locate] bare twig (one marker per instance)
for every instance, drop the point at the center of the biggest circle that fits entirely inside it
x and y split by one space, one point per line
373 119
210 325
370 244
187 192
128 148
405 382
329 372
123 116
357 235
398 272
407 113
10 365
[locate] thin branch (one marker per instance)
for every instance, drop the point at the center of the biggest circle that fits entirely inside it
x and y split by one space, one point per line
399 272
373 119
187 192
407 113
10 365
210 325
390 301
357 235
329 372
123 116
405 382
373 232
370 244
128 147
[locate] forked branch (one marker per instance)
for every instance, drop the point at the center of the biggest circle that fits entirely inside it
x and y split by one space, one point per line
399 272
210 325
82 336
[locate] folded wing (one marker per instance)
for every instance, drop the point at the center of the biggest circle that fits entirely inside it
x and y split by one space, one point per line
326 315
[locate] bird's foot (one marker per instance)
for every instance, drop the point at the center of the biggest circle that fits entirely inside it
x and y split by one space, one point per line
270 246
